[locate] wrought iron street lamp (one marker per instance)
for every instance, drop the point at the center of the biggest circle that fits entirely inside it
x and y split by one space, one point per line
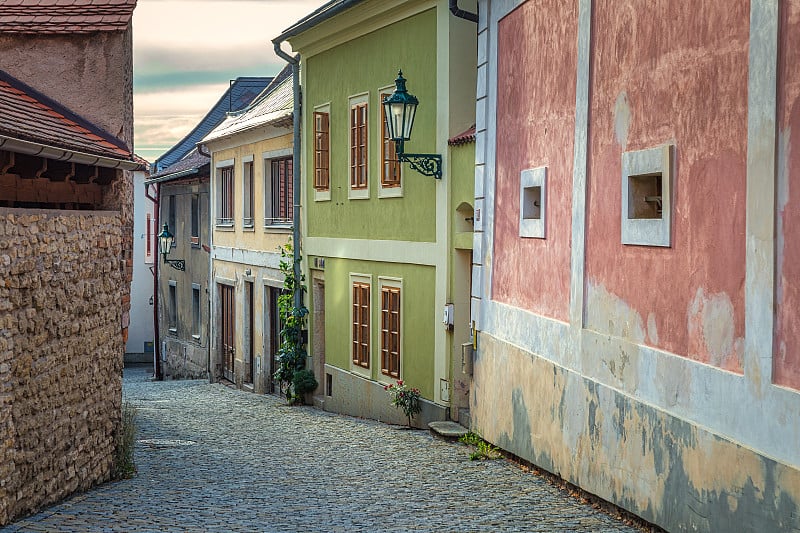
165 240
400 110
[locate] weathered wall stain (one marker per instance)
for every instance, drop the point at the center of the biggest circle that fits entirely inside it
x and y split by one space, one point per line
671 471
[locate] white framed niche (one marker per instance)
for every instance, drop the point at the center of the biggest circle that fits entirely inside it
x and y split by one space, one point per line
533 202
647 177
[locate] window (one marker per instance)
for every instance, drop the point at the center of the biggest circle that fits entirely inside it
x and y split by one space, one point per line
279 193
247 186
390 331
225 195
322 156
647 196
171 217
359 184
148 245
361 310
196 311
195 237
533 202
390 164
173 306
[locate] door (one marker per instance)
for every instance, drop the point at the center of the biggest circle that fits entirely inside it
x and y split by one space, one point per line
318 355
248 332
273 315
227 345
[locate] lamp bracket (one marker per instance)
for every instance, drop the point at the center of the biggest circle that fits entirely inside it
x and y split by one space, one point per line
425 164
177 264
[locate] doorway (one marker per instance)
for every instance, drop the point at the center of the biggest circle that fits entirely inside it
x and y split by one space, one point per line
227 345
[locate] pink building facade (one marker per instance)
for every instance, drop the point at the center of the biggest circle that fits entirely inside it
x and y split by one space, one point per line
636 258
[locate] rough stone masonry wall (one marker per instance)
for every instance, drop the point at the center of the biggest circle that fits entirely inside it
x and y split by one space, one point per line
61 284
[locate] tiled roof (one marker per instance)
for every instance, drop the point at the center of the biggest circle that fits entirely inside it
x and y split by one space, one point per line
463 138
274 108
238 95
27 115
65 16
194 160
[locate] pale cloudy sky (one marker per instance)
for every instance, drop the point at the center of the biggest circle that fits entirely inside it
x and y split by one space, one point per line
185 52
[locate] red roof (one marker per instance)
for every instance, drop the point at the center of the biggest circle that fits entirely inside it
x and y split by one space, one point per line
463 138
30 116
65 16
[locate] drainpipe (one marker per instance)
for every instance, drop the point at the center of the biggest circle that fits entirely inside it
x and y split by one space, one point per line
460 13
298 294
156 331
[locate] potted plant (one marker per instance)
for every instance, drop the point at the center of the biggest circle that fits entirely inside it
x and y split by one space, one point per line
405 398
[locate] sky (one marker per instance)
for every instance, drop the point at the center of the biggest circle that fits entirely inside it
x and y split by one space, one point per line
185 52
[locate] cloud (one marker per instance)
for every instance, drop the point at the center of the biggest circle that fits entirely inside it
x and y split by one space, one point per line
186 51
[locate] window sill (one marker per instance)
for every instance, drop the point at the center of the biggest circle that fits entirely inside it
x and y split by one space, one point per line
390 192
248 228
196 338
278 228
173 330
225 227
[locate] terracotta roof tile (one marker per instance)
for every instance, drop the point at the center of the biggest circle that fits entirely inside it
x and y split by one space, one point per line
463 138
64 16
27 115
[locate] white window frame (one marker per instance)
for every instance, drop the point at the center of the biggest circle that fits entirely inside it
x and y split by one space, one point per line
395 283
248 193
323 196
266 162
386 192
358 369
218 167
648 231
357 194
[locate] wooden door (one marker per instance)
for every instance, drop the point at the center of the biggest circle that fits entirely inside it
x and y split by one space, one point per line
227 346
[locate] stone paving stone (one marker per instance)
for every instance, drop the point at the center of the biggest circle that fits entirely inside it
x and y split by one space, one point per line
215 459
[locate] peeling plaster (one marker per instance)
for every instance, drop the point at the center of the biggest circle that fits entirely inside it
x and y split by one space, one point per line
622 119
652 330
613 315
711 327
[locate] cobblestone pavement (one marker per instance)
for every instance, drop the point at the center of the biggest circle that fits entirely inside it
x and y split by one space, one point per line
211 458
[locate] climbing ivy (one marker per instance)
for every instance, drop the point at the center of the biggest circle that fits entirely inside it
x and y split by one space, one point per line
291 357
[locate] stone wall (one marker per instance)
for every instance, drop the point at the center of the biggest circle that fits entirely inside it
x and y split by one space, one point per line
61 283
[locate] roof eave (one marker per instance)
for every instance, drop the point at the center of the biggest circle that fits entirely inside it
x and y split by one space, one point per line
310 21
283 121
173 176
13 144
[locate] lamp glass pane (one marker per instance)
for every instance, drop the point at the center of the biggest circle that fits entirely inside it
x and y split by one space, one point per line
410 113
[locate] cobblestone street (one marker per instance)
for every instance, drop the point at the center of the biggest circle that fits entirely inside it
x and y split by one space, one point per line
215 459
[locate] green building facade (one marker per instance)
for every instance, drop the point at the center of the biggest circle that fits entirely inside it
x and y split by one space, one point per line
378 238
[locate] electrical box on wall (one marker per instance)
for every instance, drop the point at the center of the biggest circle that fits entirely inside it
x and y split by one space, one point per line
447 316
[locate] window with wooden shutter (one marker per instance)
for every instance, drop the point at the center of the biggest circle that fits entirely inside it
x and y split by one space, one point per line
322 156
390 331
280 193
358 146
361 310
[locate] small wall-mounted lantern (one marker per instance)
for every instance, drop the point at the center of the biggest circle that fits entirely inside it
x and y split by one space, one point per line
165 240
400 109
